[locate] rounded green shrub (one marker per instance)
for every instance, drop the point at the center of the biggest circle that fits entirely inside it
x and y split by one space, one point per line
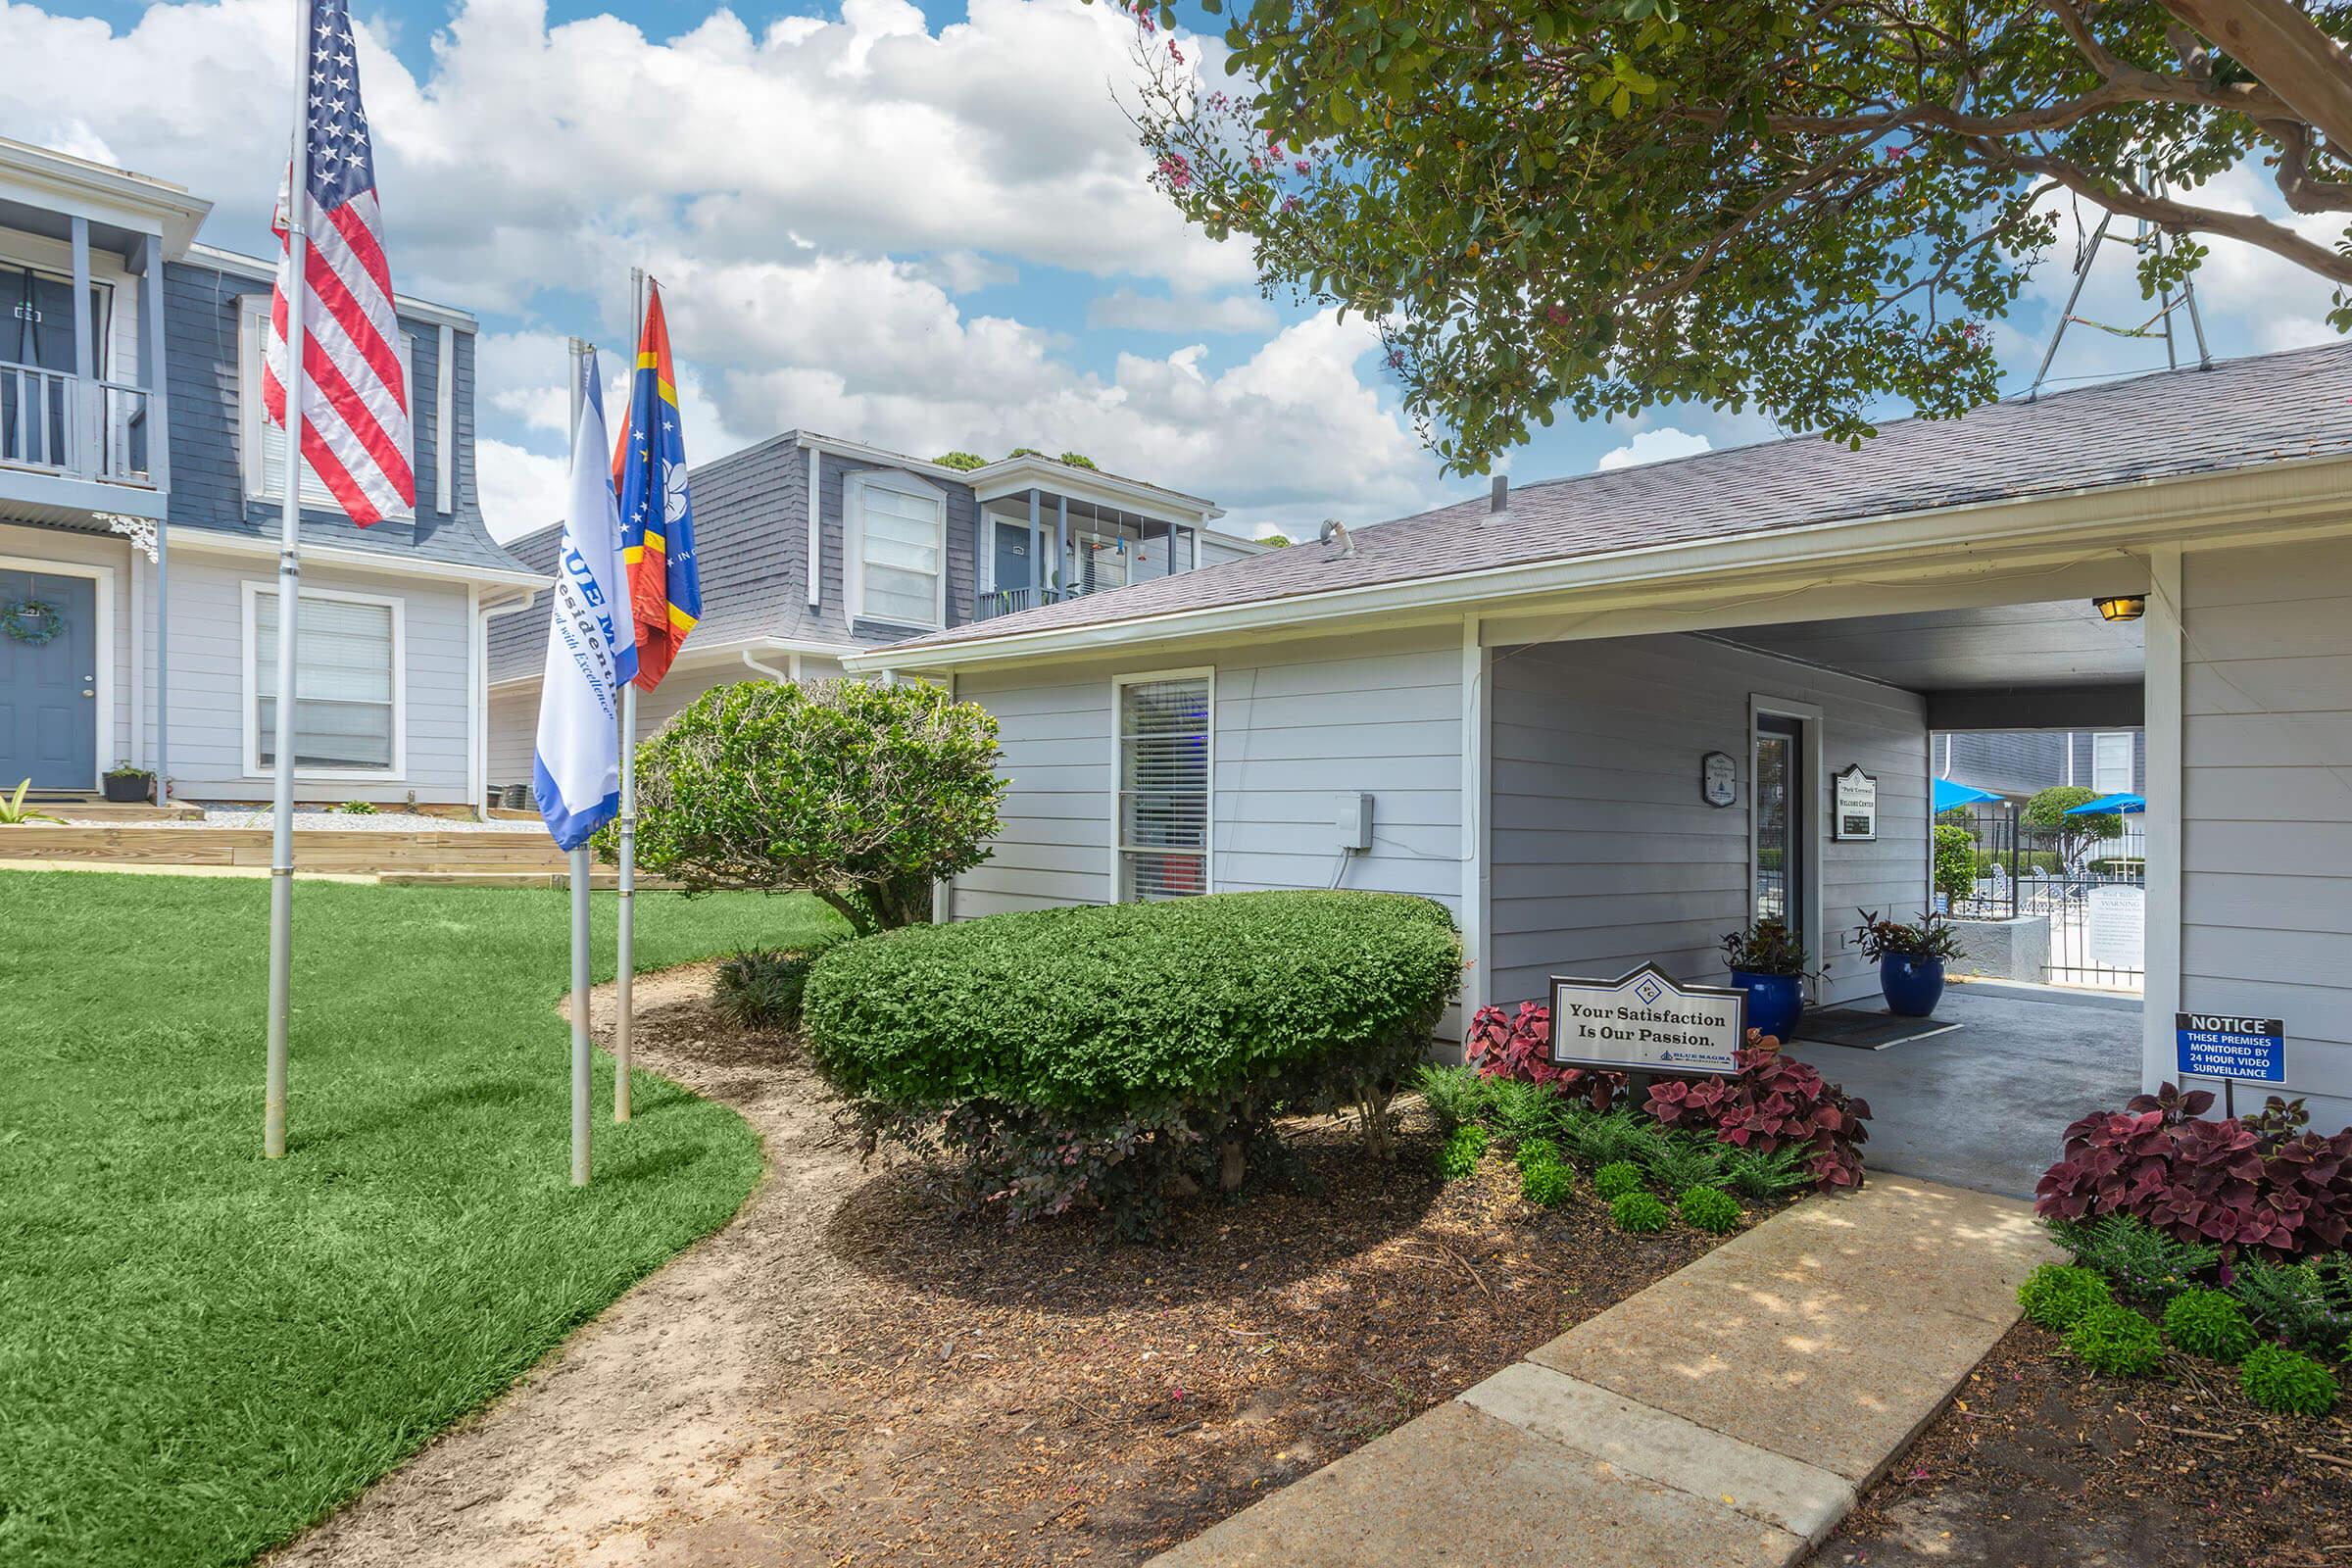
1459 1155
1710 1209
1546 1184
2286 1381
1617 1178
1638 1213
2208 1323
2115 1341
1095 1056
2055 1296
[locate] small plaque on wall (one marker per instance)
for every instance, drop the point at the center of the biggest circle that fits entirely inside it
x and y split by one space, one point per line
1718 779
1853 805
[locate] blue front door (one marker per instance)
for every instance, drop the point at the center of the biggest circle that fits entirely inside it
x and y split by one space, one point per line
48 680
1013 565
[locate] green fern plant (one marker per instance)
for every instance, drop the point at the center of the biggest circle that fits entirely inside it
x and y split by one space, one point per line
13 812
1617 1137
1764 1176
1453 1095
1679 1164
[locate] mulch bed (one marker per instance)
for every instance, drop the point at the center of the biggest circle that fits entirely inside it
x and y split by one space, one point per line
2041 1461
1049 1395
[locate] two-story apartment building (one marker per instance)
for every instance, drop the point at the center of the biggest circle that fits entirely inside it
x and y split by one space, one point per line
812 548
139 504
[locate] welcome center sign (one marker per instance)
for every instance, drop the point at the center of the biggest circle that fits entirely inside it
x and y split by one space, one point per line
1647 1021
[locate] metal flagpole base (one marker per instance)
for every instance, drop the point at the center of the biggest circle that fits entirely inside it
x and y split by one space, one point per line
625 1021
581 1081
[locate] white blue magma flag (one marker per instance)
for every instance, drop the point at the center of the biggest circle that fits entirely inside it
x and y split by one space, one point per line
591 643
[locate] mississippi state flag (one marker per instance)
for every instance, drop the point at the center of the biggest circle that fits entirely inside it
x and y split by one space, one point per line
657 515
355 399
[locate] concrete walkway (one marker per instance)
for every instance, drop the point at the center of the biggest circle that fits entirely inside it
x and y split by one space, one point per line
1728 1416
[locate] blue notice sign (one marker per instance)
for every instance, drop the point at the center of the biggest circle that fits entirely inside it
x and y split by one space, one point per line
2219 1045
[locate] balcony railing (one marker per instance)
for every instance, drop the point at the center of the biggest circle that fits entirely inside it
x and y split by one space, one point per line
44 414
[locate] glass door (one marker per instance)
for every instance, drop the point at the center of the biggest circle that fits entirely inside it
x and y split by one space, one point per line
1782 849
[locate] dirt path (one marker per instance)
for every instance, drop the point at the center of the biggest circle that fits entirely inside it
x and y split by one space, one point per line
653 1410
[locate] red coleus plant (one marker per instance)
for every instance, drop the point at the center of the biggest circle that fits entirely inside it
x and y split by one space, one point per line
1518 1044
2217 1182
1773 1102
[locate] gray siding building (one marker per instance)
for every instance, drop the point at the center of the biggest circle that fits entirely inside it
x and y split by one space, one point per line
140 515
899 547
1524 694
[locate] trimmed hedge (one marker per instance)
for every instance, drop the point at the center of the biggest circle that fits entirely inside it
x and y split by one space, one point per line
1118 1043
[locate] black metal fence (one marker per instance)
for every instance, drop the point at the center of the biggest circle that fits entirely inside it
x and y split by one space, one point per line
2088 883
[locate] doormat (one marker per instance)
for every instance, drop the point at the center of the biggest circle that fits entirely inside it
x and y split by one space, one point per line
1865 1031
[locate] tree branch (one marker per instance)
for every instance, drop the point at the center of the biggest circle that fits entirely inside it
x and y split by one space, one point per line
2275 41
2179 217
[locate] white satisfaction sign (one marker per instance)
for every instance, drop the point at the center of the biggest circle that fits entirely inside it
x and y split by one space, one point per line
1647 1021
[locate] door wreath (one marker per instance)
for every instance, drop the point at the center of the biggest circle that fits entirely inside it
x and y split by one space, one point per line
34 622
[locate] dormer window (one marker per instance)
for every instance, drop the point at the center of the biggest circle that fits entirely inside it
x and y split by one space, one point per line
897 549
261 444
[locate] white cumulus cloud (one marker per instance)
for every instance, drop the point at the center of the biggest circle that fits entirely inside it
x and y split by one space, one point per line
1654 446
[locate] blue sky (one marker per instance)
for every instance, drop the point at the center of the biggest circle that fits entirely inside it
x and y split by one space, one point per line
923 227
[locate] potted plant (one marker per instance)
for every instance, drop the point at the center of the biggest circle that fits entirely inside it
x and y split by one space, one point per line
1910 960
127 784
1769 961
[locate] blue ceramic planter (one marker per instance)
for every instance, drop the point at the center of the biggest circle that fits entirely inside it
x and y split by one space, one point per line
1912 986
1774 1002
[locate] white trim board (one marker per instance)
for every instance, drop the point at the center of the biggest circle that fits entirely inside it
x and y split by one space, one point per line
104 682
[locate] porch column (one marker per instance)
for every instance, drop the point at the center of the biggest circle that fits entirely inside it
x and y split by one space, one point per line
1061 535
1037 552
87 432
153 380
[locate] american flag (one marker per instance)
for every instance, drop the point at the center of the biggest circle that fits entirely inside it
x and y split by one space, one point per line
355 396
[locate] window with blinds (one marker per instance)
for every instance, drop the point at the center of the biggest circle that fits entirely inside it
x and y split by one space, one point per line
901 551
347 687
1163 805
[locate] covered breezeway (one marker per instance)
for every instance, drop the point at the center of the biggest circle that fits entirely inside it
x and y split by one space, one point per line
1608 851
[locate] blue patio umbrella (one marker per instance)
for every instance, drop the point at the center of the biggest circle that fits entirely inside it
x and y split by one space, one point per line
2108 806
1945 794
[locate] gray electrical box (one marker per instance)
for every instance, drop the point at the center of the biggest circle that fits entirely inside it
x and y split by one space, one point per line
1353 815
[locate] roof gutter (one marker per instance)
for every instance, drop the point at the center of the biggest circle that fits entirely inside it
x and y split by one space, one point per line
2140 514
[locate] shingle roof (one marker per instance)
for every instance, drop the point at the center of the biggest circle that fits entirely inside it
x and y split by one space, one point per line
2169 424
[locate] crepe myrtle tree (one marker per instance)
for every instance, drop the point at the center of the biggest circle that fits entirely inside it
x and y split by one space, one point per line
2072 836
860 794
1812 207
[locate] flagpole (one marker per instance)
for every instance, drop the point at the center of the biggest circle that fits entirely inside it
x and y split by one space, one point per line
582 1117
625 1020
289 611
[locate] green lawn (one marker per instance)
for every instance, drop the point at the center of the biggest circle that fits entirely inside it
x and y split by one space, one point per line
200 1352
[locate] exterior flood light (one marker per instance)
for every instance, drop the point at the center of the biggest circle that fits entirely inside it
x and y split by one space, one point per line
2121 607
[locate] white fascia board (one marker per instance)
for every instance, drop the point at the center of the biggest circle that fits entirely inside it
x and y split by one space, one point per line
2116 517
43 177
205 541
263 272
1015 475
859 452
725 652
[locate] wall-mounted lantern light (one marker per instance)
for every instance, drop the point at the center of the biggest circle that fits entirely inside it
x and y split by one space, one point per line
2121 607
